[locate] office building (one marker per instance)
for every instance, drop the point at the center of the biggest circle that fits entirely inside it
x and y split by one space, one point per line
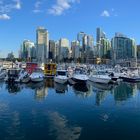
63 48
42 41
123 48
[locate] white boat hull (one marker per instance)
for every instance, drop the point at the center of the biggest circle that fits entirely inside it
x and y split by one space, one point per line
39 79
61 80
97 79
80 78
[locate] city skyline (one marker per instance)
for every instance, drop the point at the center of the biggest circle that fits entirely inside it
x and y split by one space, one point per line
64 18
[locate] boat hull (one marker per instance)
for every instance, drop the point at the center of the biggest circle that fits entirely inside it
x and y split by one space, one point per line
60 80
40 79
99 80
79 81
126 79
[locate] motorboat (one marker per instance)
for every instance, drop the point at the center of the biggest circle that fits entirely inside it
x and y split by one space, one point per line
37 75
23 76
61 76
15 75
80 76
100 77
26 79
3 73
132 75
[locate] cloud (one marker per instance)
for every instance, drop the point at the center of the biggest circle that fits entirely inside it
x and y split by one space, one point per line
4 17
61 128
6 8
105 13
110 13
18 4
37 7
61 6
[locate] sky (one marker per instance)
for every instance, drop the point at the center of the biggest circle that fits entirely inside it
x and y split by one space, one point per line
19 19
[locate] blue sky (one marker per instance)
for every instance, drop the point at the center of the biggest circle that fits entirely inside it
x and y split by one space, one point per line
65 18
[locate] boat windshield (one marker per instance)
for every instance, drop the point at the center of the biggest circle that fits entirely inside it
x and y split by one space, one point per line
79 71
13 72
63 73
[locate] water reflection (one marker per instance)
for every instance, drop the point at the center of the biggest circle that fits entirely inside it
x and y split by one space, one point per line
61 129
60 88
101 92
96 87
124 91
82 90
14 88
49 83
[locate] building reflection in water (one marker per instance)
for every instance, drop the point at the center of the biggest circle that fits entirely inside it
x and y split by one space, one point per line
1 85
49 82
82 90
60 88
40 92
101 91
123 92
14 88
60 128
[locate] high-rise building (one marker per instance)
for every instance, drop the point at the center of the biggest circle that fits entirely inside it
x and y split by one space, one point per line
52 49
75 47
57 51
80 38
138 51
123 48
42 41
105 48
28 50
99 36
64 48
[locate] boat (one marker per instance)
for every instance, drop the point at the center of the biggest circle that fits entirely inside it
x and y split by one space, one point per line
61 77
26 79
132 75
15 75
50 70
3 73
22 76
100 77
79 76
37 75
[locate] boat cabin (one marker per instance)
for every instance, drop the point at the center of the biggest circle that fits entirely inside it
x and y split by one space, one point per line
61 73
30 67
50 69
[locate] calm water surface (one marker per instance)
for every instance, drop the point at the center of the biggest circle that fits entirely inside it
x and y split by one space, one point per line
48 111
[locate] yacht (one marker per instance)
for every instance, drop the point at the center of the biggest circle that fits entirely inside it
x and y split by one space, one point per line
15 75
3 73
132 75
80 76
37 75
61 76
100 77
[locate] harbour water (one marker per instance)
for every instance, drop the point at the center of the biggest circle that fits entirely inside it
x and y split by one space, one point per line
48 111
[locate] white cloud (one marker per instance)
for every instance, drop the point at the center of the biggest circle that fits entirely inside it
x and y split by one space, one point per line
6 8
18 4
105 13
61 6
4 17
37 4
37 7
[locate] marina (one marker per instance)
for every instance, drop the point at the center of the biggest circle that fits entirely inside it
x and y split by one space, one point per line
49 110
69 101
